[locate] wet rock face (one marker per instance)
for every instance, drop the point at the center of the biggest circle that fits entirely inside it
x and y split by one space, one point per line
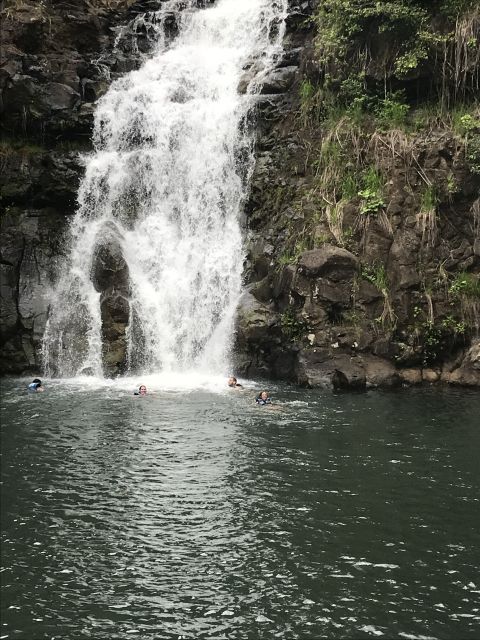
56 59
279 81
32 244
110 277
33 177
355 310
109 268
468 373
320 286
318 369
334 263
313 318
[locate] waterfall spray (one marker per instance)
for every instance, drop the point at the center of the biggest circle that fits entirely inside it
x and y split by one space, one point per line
161 201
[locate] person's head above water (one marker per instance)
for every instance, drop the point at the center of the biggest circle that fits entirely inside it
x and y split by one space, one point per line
35 385
142 391
263 398
232 382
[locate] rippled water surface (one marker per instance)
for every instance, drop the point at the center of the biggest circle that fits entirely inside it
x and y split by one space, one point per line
196 514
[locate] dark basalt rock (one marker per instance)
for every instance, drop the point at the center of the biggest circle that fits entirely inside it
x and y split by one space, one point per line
109 268
279 81
331 262
323 368
254 320
318 368
36 178
31 247
58 56
468 373
110 276
56 59
353 318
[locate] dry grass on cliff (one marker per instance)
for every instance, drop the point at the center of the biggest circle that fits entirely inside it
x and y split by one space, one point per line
38 9
347 149
334 215
465 56
24 10
111 4
427 217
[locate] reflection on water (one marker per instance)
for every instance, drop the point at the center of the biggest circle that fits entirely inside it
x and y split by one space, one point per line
195 513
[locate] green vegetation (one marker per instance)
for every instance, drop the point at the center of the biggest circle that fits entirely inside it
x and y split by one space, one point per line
395 64
388 72
392 111
365 48
472 153
439 336
371 194
436 337
308 95
427 216
42 9
457 327
292 327
377 275
321 238
384 118
464 293
349 185
430 199
465 284
431 114
292 257
464 123
451 186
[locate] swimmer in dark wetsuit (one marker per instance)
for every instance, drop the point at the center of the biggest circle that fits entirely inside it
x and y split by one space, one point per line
263 399
35 386
232 382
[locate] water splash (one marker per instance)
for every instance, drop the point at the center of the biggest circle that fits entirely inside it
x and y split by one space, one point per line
165 186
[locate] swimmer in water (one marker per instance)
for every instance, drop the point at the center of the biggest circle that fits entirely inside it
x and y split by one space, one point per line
232 382
142 391
263 398
36 386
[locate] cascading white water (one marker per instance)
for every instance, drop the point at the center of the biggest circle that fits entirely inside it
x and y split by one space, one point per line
166 184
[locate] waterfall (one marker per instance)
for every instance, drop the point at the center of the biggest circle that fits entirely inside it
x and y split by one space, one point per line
155 260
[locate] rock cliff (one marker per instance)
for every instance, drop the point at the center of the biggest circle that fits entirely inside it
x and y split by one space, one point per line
363 246
364 252
57 59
